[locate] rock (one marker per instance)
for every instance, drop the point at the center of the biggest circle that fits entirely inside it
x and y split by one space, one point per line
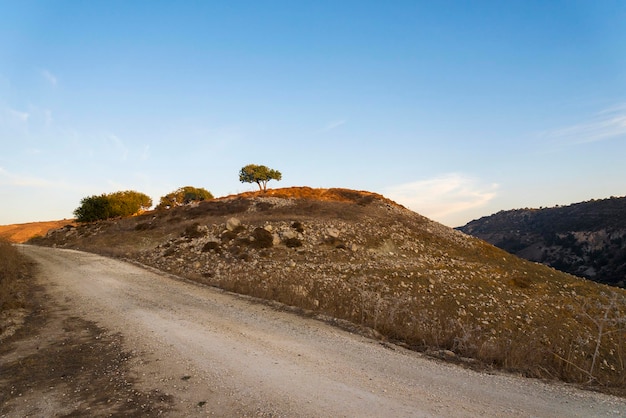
289 234
276 239
232 224
332 232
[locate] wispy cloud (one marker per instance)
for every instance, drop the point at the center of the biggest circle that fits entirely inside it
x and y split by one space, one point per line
333 125
49 77
22 116
608 124
443 198
14 121
11 179
145 154
119 147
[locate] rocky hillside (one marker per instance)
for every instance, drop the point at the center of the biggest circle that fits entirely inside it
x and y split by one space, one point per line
586 239
357 258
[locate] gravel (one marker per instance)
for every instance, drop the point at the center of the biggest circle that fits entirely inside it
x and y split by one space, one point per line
215 353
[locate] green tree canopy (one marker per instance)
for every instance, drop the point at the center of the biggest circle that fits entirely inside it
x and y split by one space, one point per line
258 174
184 196
112 205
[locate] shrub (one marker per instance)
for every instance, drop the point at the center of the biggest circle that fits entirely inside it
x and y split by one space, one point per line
193 231
262 238
212 246
184 196
112 205
292 243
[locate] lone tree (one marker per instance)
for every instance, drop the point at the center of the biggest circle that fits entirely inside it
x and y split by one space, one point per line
184 196
112 205
259 174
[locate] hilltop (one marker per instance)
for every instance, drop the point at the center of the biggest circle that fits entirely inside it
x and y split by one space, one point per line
587 239
360 260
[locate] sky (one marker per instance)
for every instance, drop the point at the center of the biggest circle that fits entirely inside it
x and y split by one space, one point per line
454 109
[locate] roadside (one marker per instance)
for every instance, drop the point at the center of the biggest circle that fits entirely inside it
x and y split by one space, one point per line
109 338
57 364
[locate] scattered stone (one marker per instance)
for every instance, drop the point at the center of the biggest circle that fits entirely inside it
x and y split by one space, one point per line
232 224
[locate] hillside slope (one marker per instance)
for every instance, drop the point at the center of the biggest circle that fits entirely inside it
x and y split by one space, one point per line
586 239
19 233
358 257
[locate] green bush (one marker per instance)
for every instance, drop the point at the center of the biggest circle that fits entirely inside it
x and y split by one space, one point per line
184 196
112 205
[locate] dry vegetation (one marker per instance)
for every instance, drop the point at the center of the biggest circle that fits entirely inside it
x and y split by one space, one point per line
358 257
19 233
14 288
12 274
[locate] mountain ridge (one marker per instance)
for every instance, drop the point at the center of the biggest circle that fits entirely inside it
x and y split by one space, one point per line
587 239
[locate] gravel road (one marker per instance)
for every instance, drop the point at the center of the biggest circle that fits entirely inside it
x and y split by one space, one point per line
219 354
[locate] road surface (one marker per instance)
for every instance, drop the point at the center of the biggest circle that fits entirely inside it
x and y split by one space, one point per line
218 354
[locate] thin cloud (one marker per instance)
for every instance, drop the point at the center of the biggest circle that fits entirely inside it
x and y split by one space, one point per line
445 197
22 116
118 145
13 121
332 125
12 115
608 124
49 77
145 154
11 179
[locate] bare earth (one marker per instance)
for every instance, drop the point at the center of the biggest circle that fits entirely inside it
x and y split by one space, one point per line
154 345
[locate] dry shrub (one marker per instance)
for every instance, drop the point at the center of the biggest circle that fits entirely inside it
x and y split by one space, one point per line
292 243
12 270
193 231
217 207
212 246
334 194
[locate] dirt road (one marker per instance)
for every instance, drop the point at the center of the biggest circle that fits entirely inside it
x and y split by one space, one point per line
207 353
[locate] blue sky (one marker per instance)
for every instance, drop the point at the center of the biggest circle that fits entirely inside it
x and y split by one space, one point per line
456 109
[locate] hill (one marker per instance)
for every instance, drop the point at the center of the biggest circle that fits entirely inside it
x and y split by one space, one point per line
18 233
358 259
586 239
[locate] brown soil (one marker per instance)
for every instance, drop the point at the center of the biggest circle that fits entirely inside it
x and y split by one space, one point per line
60 365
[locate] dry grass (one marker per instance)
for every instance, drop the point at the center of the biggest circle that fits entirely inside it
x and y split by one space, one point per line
19 233
323 195
411 280
13 289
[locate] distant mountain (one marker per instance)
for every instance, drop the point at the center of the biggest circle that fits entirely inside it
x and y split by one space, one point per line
586 239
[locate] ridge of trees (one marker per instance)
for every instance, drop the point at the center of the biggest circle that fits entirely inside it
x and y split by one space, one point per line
130 202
